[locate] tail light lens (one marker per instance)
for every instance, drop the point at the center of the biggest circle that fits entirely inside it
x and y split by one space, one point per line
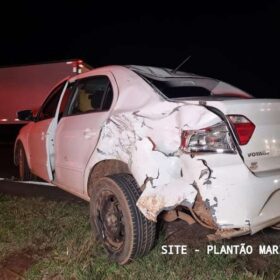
215 138
243 127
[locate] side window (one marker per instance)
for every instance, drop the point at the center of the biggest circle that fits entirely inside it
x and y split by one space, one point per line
48 109
93 94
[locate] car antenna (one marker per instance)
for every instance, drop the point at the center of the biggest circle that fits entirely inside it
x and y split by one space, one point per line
180 65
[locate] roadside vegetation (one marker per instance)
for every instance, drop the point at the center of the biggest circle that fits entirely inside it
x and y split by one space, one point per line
43 239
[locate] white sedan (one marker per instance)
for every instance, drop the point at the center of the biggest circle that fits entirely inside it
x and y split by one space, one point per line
141 141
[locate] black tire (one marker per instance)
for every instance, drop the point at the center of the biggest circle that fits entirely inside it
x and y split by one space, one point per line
23 168
116 220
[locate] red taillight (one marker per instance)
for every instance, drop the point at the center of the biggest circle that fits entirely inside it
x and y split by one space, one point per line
244 128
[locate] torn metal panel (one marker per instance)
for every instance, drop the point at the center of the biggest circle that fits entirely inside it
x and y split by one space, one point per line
154 158
166 197
163 172
173 215
202 211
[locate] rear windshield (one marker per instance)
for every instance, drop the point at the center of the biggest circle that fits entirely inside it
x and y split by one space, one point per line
178 88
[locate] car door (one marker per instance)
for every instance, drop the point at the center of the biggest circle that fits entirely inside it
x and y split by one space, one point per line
41 133
78 131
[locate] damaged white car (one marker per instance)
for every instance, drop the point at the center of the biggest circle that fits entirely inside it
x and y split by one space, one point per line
140 141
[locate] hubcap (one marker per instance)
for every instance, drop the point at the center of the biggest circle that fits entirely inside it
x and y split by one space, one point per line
110 220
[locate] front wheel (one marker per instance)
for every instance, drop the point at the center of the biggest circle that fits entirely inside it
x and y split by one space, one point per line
117 221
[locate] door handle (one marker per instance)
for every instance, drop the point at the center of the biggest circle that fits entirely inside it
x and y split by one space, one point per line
88 133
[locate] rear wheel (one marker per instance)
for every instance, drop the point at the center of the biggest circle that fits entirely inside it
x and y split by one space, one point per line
117 221
23 168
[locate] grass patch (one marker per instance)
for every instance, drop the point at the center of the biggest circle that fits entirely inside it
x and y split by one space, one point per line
58 235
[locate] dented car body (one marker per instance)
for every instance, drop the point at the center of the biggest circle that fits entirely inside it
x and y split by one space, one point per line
193 144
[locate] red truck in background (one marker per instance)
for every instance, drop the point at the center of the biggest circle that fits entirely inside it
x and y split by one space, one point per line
28 86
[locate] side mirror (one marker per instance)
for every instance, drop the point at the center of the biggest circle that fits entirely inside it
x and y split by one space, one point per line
25 115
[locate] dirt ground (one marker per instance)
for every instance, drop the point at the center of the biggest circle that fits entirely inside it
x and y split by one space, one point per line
15 265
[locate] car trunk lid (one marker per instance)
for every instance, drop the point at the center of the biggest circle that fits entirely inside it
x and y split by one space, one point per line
262 152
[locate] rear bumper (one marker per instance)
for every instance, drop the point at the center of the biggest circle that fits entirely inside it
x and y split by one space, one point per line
269 215
234 196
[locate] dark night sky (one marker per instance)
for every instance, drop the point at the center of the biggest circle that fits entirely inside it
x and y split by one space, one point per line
235 42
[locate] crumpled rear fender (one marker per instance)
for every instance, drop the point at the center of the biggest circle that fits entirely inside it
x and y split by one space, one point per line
148 142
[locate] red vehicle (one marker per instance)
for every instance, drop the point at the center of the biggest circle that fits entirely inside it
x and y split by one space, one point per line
29 85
